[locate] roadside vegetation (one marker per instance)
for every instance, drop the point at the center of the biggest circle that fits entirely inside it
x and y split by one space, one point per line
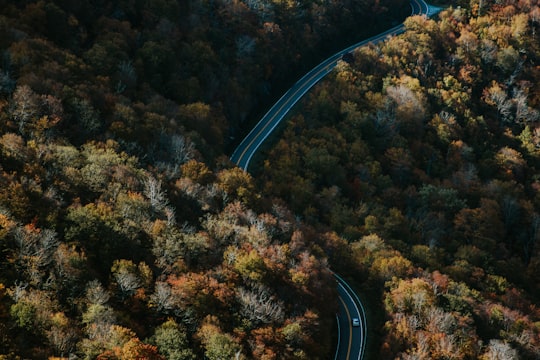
422 156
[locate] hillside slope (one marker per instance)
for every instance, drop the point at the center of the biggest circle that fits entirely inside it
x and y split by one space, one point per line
423 153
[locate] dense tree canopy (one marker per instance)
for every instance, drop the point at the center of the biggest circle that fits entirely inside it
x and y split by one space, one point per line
126 233
422 152
124 230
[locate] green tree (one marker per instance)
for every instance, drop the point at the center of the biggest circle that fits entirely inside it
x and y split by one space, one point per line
237 184
172 342
24 315
217 344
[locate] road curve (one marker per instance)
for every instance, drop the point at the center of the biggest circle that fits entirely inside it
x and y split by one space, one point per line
251 143
351 340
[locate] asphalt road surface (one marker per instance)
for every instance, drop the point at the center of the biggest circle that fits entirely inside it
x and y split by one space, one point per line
351 339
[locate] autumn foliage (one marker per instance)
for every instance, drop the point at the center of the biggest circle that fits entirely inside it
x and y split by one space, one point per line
126 233
422 152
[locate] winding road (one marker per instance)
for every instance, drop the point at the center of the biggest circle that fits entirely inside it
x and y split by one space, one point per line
351 339
250 144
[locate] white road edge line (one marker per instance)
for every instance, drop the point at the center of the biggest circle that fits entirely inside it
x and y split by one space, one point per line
362 313
338 338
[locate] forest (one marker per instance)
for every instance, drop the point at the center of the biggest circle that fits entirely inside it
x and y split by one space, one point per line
126 232
421 155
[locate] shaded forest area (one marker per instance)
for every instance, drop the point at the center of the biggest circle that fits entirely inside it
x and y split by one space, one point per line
225 60
422 155
125 232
